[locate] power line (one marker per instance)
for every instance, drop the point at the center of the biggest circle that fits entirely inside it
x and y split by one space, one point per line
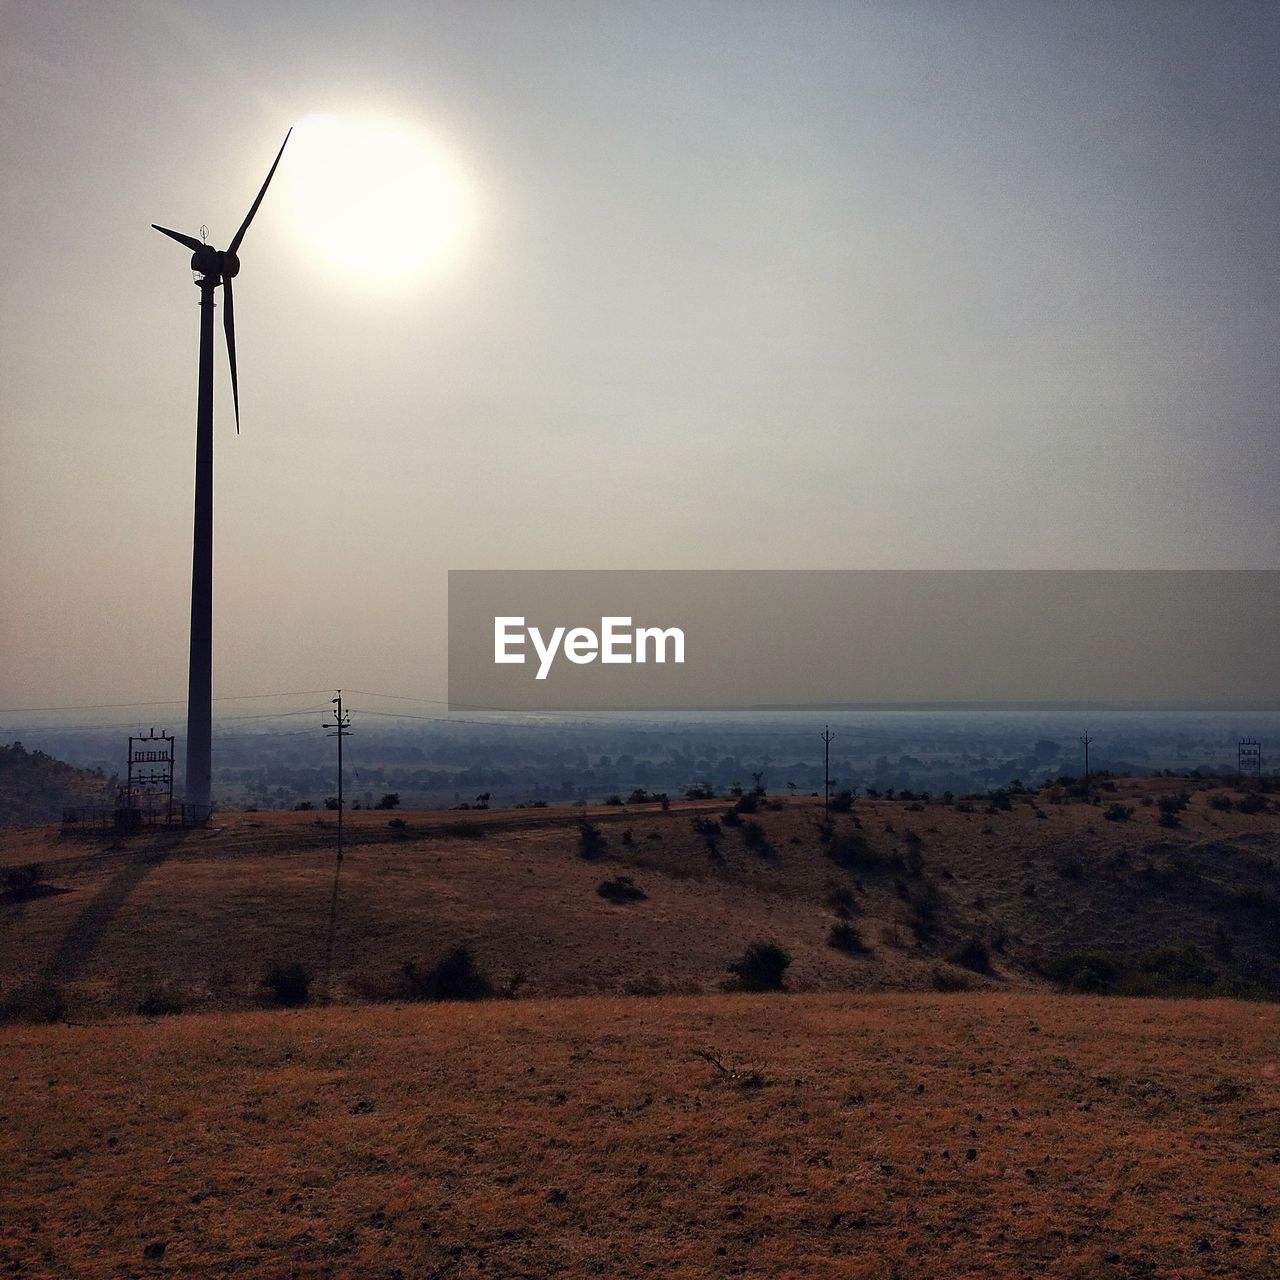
159 702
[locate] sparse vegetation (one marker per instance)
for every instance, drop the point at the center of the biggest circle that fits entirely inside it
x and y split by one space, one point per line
762 967
454 977
288 985
843 936
591 840
620 890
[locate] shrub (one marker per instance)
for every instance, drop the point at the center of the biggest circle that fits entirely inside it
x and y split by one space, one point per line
628 836
701 791
841 801
1253 803
748 802
455 977
753 837
1174 802
21 883
303 806
158 1003
331 803
398 824
851 851
289 984
1117 812
615 801
731 818
1220 801
949 981
591 840
842 901
761 967
844 937
620 890
972 954
1085 971
391 800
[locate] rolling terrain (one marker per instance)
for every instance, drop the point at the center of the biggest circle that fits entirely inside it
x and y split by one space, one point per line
920 1101
927 896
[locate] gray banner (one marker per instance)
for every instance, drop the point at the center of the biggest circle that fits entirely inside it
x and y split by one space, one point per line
653 639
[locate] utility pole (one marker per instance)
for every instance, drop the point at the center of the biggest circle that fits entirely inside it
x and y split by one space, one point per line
827 735
1085 739
341 725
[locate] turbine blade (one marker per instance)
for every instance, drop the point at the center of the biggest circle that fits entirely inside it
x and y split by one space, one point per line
190 241
248 217
229 328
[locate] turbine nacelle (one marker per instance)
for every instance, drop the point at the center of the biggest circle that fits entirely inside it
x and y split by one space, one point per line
219 264
223 265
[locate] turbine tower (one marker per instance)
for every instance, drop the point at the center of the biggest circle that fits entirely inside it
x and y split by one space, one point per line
214 267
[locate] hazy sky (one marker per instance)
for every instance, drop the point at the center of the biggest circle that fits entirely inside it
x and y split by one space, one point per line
739 286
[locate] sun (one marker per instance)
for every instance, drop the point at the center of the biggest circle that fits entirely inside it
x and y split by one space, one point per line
376 196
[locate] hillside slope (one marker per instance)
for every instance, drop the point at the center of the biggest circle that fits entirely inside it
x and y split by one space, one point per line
929 896
34 787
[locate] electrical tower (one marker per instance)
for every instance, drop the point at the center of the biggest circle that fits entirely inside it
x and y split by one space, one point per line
1249 757
150 775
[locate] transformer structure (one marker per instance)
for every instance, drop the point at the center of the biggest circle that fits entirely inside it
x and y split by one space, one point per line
1249 758
149 788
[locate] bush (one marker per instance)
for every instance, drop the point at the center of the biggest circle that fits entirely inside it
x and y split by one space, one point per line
841 801
456 977
389 801
761 967
1220 801
303 806
842 901
753 837
159 1003
702 791
732 818
1117 812
749 802
21 883
972 954
289 984
1253 803
844 937
850 850
1085 971
591 840
614 801
620 890
398 824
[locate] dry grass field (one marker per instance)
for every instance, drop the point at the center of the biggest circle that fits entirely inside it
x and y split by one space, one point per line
968 1136
192 920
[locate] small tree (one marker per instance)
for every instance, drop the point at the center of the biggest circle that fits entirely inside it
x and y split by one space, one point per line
289 984
591 840
389 801
762 967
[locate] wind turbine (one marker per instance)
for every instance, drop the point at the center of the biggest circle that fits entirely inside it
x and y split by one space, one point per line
214 267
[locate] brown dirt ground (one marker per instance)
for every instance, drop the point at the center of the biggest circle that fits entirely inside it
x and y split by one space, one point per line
967 1136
